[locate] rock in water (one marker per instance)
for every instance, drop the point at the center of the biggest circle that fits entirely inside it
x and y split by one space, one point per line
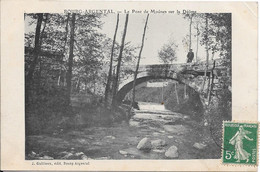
158 143
110 137
156 134
172 152
97 144
159 150
199 145
144 144
123 152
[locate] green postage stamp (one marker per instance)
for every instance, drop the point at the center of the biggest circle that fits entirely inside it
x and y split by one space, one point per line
240 143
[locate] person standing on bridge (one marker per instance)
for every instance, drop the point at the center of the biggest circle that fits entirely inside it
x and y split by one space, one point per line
190 56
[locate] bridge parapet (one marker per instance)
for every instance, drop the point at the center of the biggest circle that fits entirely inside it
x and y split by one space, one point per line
175 66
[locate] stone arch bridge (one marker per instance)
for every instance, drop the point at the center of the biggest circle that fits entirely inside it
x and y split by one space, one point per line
191 74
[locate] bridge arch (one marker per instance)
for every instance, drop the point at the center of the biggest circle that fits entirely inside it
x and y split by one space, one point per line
193 75
126 86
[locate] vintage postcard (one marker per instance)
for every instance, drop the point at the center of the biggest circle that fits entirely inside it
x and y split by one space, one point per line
129 86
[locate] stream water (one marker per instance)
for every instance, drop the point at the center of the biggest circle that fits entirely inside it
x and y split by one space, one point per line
120 141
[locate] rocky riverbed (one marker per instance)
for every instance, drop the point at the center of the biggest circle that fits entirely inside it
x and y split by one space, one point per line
153 133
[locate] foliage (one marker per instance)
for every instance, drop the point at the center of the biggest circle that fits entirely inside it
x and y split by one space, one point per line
218 38
48 104
167 54
89 72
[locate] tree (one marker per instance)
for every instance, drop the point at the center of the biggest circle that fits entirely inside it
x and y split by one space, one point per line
197 43
64 47
167 54
39 59
111 63
207 50
36 52
190 16
218 25
119 61
137 66
89 55
79 56
70 62
176 92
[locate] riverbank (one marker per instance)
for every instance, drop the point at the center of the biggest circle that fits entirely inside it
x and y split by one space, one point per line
119 141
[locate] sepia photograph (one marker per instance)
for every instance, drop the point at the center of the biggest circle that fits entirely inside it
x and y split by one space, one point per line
108 85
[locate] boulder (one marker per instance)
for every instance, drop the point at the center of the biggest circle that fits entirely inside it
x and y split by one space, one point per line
63 153
172 152
84 157
103 158
186 117
144 144
199 145
123 152
110 137
159 150
175 129
158 143
97 144
68 156
45 157
79 154
82 141
156 134
134 123
33 153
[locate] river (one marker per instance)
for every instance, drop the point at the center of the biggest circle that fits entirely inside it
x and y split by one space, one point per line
120 141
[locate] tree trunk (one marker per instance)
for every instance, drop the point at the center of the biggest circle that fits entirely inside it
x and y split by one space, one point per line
184 91
176 93
39 77
36 52
70 63
78 85
207 53
119 61
138 62
197 48
94 87
162 96
108 85
206 111
212 83
44 26
64 48
190 31
40 64
94 83
214 48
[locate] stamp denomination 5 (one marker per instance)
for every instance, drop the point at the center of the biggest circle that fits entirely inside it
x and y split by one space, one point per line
240 143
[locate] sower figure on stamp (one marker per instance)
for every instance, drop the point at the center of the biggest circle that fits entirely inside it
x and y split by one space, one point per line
190 56
237 140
